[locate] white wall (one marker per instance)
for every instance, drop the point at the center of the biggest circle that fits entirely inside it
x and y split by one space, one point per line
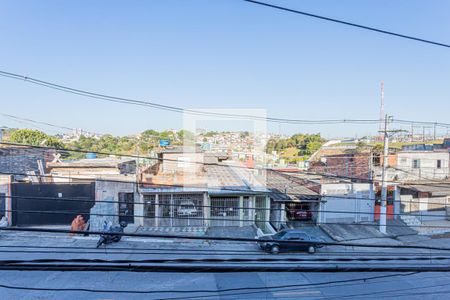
428 165
5 181
347 203
109 190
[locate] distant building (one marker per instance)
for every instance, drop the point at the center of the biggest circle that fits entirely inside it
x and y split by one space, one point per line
349 165
422 165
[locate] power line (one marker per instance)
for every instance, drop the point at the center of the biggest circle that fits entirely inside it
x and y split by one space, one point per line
364 279
266 259
215 218
177 109
390 291
122 100
181 268
234 239
235 208
329 175
366 256
348 23
276 290
37 122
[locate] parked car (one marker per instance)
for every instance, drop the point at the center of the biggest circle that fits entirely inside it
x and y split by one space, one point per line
187 209
303 215
299 212
269 243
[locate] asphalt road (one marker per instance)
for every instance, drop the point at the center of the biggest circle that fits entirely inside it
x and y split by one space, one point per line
241 285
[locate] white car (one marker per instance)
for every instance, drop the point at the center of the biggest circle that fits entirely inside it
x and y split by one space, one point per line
187 209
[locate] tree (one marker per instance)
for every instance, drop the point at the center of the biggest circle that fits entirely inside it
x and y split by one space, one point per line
34 138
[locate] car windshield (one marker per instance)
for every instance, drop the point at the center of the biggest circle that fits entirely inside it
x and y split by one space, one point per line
279 235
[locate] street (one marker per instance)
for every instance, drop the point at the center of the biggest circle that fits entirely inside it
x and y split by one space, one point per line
210 285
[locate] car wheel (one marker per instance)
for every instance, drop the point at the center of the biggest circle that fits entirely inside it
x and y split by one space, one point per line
311 249
275 249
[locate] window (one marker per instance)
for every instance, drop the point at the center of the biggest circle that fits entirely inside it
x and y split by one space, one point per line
279 235
439 163
416 163
297 236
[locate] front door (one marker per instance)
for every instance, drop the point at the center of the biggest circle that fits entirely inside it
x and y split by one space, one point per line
126 207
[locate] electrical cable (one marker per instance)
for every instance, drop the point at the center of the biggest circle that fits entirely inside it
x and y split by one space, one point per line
349 23
203 290
176 109
289 174
232 239
181 110
218 218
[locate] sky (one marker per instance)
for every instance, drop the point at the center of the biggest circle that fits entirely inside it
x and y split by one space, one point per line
223 54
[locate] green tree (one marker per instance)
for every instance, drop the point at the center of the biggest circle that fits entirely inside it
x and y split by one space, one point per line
34 138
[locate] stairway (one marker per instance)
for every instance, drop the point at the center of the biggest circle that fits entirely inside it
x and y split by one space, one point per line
411 220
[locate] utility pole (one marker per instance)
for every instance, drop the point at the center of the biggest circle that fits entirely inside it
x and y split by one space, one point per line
383 206
383 176
434 132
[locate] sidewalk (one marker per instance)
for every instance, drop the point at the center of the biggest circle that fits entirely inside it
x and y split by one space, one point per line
434 227
366 231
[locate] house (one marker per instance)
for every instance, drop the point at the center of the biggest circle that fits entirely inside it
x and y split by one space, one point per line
352 164
422 165
22 161
91 169
114 182
341 200
291 201
188 189
424 202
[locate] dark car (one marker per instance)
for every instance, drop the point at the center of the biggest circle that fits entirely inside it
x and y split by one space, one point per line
297 240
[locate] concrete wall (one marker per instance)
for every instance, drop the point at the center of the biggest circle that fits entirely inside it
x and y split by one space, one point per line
75 174
19 160
182 162
5 188
347 203
277 214
428 164
109 190
425 208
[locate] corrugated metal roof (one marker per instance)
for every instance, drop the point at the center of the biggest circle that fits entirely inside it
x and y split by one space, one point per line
108 162
282 188
436 189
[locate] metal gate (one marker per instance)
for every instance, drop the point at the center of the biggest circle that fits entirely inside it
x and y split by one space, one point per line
225 211
249 211
126 207
262 212
174 210
40 204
